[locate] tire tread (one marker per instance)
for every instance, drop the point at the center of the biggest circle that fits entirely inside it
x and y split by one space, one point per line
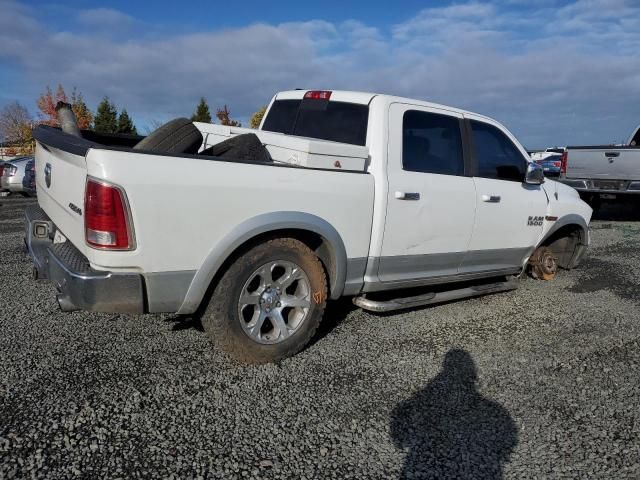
216 322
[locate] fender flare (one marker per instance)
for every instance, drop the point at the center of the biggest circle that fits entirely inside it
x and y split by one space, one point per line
570 219
258 225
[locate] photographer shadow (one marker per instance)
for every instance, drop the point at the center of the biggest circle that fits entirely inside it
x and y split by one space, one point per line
450 430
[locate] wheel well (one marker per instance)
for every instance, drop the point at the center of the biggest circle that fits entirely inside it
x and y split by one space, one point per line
563 243
316 242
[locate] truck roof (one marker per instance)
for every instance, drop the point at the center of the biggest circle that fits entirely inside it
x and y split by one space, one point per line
365 98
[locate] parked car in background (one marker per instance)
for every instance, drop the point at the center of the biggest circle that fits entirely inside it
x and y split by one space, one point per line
29 180
12 175
550 161
610 172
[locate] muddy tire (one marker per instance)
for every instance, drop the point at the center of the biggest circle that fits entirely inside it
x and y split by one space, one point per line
543 264
268 303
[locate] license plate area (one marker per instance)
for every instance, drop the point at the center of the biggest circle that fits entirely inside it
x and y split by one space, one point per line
609 184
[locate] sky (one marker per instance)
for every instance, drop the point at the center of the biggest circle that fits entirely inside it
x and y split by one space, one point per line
555 73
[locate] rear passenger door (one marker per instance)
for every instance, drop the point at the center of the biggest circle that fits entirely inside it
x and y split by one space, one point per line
509 212
431 202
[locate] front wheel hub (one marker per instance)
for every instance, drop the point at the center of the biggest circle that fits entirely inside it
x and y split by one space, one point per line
543 264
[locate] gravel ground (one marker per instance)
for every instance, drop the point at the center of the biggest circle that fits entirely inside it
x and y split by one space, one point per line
541 382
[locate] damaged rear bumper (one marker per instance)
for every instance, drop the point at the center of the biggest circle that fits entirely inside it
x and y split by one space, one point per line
79 286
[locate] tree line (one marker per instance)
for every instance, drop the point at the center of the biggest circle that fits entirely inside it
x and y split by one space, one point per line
16 122
203 114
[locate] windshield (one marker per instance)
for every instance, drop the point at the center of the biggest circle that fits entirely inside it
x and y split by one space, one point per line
325 120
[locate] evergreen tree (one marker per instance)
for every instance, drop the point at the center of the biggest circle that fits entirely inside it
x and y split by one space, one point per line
106 120
202 113
125 124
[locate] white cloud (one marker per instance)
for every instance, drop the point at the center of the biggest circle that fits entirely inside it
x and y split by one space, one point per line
553 75
104 18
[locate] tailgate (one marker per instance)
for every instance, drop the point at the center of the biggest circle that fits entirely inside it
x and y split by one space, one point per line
613 163
61 174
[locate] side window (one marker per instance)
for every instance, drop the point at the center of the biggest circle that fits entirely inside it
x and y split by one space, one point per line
431 143
496 154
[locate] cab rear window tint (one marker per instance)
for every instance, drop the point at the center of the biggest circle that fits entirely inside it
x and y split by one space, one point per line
334 121
281 116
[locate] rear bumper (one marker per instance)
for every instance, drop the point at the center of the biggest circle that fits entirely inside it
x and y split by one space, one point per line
79 286
11 184
625 187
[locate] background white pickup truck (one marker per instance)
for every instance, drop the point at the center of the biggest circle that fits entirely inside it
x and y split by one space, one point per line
603 171
344 193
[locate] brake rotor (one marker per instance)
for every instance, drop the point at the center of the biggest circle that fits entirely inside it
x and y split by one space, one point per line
543 264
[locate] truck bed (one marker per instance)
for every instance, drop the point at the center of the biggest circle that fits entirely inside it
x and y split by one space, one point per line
183 206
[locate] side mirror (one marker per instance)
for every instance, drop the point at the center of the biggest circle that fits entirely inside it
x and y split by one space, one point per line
534 175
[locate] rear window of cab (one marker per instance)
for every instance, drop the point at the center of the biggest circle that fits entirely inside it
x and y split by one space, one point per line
325 120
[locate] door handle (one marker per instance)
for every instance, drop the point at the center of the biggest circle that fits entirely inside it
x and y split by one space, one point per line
491 198
611 154
407 195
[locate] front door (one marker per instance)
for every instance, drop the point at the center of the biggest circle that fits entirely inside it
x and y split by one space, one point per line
431 203
509 213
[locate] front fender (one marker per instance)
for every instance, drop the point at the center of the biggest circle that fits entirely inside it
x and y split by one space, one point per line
570 219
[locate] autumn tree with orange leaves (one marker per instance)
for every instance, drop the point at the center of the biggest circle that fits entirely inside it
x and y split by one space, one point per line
47 106
224 115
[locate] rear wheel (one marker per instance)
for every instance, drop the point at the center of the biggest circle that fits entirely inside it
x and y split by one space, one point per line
269 302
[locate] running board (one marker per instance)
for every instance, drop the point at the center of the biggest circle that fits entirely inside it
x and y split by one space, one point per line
433 297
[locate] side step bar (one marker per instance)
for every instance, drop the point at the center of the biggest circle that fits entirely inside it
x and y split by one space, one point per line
433 297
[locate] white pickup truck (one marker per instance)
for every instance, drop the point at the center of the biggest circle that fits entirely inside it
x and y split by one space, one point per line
337 194
610 172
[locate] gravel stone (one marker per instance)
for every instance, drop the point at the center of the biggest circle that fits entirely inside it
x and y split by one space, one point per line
541 382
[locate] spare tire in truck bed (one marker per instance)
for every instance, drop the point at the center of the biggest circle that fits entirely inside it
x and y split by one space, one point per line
176 136
241 148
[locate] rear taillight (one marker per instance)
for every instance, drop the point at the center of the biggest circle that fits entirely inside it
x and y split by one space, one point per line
1 170
318 95
106 217
563 162
11 170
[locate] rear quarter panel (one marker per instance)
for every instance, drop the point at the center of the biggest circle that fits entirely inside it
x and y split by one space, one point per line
182 207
